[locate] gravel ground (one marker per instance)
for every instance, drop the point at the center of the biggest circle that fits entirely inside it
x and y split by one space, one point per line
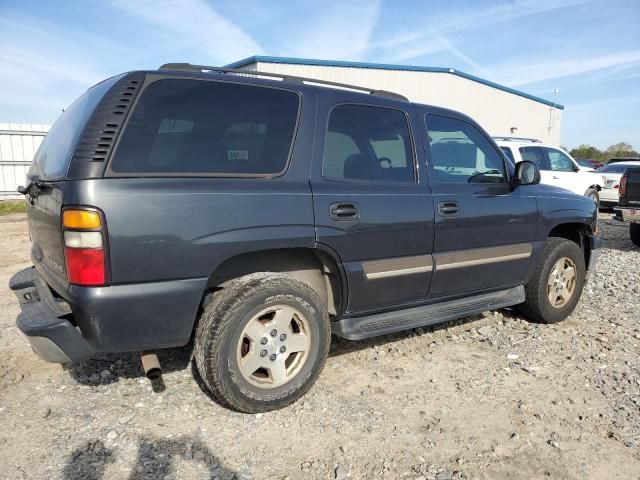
491 396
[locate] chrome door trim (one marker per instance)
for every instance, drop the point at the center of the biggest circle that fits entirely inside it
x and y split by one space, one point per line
393 267
482 256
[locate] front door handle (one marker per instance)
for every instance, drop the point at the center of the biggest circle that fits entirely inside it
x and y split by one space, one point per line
344 211
448 209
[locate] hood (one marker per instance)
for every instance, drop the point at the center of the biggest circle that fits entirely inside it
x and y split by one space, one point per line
553 191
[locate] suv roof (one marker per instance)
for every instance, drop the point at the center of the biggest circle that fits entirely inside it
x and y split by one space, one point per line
517 139
187 67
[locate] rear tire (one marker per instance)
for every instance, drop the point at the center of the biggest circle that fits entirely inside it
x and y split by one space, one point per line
594 195
554 290
262 342
634 233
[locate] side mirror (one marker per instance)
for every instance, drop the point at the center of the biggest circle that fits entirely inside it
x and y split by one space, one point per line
527 173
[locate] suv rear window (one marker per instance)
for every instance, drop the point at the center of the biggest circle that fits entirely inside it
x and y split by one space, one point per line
204 127
52 158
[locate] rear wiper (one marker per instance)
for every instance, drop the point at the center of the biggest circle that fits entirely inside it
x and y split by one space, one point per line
35 185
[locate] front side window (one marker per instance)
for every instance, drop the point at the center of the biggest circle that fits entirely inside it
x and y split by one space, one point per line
559 161
460 153
210 128
368 143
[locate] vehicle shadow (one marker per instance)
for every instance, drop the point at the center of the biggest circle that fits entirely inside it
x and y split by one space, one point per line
104 369
155 459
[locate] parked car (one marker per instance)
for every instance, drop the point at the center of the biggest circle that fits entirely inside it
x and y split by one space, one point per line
629 209
623 159
556 166
589 163
611 174
258 215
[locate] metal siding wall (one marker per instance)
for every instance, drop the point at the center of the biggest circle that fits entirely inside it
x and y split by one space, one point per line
16 153
496 110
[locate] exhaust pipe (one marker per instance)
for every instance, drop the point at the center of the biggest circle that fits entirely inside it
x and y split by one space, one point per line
151 365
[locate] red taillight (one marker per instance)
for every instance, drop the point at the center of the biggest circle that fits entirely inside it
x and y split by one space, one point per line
85 266
622 190
84 246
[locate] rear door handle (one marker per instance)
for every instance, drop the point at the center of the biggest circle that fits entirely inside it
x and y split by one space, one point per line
344 211
448 209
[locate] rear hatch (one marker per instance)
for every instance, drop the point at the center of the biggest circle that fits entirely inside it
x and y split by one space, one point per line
47 182
633 187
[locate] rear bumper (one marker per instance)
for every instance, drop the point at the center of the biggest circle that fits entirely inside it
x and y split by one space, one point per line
631 215
609 196
52 337
94 320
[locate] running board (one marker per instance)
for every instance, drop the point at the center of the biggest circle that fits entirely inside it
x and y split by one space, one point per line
357 328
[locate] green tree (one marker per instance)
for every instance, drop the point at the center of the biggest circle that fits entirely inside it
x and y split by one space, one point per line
587 152
621 149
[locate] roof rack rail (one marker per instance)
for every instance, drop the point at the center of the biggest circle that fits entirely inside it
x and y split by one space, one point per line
518 139
187 67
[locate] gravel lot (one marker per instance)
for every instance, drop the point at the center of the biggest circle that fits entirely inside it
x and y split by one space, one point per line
492 396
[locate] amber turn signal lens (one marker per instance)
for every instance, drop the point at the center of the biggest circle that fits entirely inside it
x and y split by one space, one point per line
80 219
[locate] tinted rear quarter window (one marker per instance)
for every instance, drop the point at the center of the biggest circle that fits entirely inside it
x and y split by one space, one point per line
52 158
182 126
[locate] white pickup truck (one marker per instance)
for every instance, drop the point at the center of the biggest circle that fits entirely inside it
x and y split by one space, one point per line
556 165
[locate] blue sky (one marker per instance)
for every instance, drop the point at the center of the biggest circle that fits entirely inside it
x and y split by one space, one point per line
590 50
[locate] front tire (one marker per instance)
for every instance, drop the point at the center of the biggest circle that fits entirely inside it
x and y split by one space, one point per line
634 233
262 342
555 288
593 194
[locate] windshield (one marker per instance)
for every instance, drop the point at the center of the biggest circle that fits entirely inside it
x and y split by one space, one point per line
52 158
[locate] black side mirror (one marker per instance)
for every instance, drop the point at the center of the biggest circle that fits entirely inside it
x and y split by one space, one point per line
527 173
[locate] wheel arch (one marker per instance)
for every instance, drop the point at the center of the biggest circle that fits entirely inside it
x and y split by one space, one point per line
314 267
575 232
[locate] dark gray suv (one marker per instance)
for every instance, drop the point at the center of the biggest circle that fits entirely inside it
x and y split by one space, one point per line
257 214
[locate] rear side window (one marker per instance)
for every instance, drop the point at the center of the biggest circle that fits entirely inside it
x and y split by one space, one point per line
368 143
460 153
536 155
52 158
214 128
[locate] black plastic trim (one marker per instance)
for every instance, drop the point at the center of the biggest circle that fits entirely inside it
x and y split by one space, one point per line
358 328
42 318
96 144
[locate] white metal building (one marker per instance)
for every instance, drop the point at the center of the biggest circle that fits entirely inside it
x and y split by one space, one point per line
18 145
501 110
